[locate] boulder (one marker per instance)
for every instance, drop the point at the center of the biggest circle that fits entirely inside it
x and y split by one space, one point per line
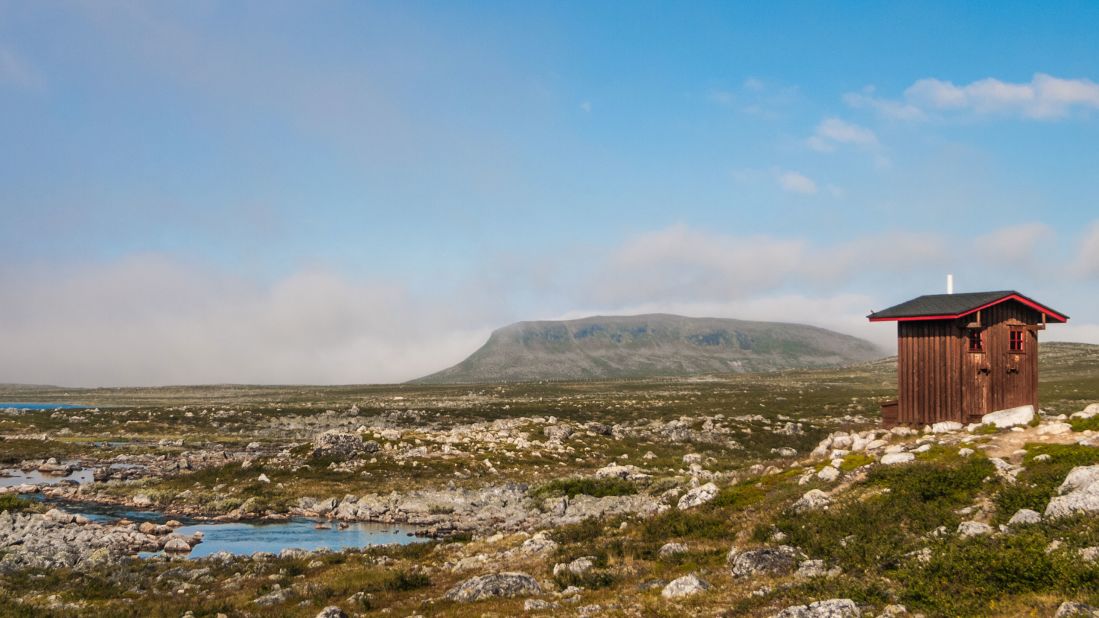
1025 516
332 611
628 472
177 545
1011 417
1079 493
495 585
338 444
1072 609
671 549
1080 477
557 432
779 560
973 528
832 608
890 459
684 587
946 427
1054 429
828 474
697 496
1088 412
812 500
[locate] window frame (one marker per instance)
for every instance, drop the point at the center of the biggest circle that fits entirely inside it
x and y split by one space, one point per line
980 341
1016 337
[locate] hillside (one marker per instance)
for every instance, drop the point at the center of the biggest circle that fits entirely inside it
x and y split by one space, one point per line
612 347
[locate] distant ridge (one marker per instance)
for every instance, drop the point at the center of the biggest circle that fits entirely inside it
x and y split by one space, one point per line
605 347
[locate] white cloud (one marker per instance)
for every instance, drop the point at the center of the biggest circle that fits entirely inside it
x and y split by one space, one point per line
1087 257
150 320
832 132
679 263
1044 97
1017 245
794 182
585 106
897 110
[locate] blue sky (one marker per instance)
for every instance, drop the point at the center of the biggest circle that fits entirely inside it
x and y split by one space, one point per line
359 192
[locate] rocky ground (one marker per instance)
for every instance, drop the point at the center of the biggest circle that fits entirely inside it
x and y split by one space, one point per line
768 495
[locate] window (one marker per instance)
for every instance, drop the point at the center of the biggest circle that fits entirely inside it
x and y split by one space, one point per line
976 341
1015 343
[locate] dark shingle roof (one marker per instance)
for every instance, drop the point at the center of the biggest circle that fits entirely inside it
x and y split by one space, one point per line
957 305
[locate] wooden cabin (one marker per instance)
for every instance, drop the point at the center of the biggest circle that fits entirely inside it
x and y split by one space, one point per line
961 356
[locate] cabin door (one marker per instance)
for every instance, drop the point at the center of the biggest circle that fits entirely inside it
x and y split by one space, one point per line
979 398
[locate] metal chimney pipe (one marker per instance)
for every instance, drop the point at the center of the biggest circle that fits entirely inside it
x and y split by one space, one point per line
950 284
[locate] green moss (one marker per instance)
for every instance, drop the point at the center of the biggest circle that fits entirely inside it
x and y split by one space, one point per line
1085 424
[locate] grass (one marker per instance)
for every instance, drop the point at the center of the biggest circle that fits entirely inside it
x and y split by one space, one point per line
1085 424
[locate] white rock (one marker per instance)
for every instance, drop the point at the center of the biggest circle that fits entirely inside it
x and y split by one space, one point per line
1025 516
897 458
965 452
1080 477
946 427
1088 412
684 587
812 500
832 608
698 495
973 528
828 474
263 478
1054 429
671 549
1011 417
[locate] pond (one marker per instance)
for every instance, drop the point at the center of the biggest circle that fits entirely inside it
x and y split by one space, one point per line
23 405
246 538
14 476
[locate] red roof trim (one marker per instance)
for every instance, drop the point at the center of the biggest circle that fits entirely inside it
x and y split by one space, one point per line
1057 317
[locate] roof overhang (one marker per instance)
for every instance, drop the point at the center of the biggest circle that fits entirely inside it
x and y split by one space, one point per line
1050 314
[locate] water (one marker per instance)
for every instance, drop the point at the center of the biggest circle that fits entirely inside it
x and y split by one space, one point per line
15 476
23 405
244 539
248 538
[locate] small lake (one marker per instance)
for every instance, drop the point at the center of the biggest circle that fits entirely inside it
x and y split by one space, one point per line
14 476
247 538
23 405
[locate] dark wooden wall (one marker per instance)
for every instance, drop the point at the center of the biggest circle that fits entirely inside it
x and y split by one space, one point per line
940 380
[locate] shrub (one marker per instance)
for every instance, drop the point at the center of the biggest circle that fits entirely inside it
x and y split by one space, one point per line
597 488
879 529
967 577
1084 424
15 504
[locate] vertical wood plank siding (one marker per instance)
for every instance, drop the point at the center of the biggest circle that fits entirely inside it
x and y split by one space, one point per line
938 379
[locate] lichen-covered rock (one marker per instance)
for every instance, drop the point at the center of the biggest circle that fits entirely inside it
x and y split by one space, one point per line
1025 516
685 586
495 585
332 611
779 560
832 608
341 445
813 499
697 496
1080 493
671 549
973 528
1072 609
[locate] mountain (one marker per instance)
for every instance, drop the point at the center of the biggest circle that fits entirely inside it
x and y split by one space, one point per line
605 347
